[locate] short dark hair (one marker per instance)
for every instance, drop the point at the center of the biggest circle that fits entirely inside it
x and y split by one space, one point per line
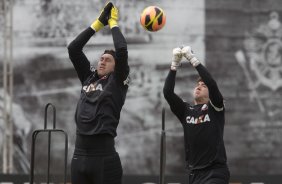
200 80
111 52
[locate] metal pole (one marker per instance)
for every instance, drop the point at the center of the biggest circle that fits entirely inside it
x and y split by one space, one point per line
11 84
163 150
5 89
8 87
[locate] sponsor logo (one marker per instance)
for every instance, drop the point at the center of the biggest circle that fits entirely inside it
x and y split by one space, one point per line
202 119
93 87
204 107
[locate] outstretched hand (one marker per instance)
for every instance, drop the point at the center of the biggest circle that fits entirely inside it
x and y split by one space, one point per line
113 17
189 55
103 18
176 58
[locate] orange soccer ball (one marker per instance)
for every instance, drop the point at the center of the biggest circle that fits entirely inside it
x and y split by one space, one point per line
153 18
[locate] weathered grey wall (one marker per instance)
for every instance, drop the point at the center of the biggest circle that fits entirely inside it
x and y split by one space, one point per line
216 29
253 132
43 73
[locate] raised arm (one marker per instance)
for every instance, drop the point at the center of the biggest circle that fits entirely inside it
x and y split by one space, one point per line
121 67
215 95
75 48
76 55
176 104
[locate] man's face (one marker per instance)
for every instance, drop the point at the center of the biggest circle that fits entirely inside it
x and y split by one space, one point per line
106 65
201 93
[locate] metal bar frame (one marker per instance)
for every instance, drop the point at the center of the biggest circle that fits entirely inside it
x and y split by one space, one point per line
163 150
49 131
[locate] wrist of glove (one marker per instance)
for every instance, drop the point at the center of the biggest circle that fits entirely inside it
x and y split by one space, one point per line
114 15
103 18
97 25
174 65
194 61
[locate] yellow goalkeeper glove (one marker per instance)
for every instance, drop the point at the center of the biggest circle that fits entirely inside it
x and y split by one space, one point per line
103 18
113 20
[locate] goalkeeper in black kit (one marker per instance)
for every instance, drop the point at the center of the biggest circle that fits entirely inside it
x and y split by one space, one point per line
203 123
103 93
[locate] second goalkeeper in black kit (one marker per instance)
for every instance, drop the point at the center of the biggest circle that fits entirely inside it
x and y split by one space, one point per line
202 122
103 93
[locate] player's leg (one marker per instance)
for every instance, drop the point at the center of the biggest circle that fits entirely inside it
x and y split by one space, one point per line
196 177
217 176
112 171
78 170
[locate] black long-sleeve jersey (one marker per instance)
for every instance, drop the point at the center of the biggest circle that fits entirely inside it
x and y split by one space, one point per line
203 124
101 100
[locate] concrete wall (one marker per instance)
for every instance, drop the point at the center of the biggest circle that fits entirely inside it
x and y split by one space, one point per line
253 130
217 30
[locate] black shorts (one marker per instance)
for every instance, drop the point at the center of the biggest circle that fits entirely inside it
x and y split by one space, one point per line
96 170
215 175
95 161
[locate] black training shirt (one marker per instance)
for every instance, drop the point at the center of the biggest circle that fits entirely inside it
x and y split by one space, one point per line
101 100
203 124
